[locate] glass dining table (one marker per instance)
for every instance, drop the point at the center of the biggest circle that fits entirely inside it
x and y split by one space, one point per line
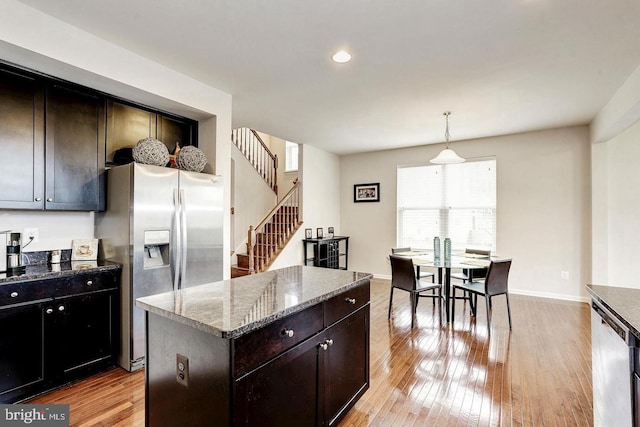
461 261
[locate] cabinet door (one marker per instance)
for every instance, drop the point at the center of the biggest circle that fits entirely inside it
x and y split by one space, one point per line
346 364
282 392
173 130
21 349
126 125
80 338
22 136
74 150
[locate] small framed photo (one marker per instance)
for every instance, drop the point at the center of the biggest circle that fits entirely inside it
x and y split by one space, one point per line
330 232
308 233
84 249
319 233
366 192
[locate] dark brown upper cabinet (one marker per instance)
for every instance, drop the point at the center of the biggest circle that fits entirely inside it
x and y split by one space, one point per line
21 140
128 123
75 141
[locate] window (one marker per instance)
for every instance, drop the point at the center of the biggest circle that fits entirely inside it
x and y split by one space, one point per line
291 157
456 201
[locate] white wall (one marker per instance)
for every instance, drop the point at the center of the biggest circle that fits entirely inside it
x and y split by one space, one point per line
544 207
321 184
64 51
253 199
618 220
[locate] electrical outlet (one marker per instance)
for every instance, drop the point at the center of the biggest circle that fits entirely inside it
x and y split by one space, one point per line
182 369
564 275
30 234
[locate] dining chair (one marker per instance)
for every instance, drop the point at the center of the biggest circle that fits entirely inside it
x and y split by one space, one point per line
403 277
474 273
423 274
470 274
495 283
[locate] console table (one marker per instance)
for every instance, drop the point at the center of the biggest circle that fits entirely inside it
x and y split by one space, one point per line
327 252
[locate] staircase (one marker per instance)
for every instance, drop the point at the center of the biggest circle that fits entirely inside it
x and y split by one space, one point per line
267 239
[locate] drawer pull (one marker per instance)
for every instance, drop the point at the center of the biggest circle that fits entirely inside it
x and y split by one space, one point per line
14 294
329 342
38 199
49 310
89 282
287 332
49 199
61 308
351 301
324 346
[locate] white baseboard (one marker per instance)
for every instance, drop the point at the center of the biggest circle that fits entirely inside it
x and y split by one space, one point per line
574 298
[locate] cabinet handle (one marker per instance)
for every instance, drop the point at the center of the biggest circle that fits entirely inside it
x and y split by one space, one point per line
49 310
89 282
324 346
351 301
49 199
14 294
329 342
287 332
38 199
61 308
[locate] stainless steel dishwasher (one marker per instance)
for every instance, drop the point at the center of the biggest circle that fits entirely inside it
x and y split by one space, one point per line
612 359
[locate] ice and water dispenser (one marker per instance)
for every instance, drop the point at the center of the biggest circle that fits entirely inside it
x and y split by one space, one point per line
156 248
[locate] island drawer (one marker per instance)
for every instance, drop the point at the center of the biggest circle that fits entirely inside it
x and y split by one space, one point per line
345 303
259 346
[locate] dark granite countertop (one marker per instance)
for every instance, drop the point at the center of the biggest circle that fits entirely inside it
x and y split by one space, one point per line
48 271
231 308
621 302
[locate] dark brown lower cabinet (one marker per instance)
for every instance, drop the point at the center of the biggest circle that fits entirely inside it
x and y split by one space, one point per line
51 341
21 352
265 377
81 330
314 383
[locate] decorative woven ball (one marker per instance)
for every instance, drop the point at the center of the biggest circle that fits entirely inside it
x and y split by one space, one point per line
150 151
191 158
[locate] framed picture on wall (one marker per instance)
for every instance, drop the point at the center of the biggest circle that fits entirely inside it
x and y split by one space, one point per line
366 192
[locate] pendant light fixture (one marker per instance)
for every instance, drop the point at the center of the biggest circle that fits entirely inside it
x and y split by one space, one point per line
447 156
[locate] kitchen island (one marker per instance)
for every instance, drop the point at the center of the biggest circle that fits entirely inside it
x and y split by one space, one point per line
284 347
615 341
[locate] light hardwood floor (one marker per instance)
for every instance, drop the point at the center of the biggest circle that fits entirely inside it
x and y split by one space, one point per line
539 374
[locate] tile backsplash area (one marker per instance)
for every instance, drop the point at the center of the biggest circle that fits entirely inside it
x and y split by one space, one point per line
44 257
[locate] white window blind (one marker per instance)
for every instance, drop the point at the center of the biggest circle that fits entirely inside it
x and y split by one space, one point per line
291 157
456 201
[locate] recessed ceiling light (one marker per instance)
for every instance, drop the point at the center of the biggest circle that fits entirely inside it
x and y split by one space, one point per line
341 57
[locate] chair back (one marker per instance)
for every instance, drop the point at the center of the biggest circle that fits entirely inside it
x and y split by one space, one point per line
497 277
396 250
403 275
478 273
485 252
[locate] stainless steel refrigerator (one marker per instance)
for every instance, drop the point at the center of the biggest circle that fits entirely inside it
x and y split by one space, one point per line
165 227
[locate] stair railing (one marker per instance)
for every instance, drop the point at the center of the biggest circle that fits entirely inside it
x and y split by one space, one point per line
258 154
267 239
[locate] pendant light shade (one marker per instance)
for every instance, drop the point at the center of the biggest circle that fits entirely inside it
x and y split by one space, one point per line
447 156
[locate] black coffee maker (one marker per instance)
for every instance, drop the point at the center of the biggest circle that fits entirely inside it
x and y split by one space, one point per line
14 251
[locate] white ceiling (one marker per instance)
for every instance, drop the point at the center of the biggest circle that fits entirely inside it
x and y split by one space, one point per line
500 66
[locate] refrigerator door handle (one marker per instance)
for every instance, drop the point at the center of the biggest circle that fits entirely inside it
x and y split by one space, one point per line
184 243
177 243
